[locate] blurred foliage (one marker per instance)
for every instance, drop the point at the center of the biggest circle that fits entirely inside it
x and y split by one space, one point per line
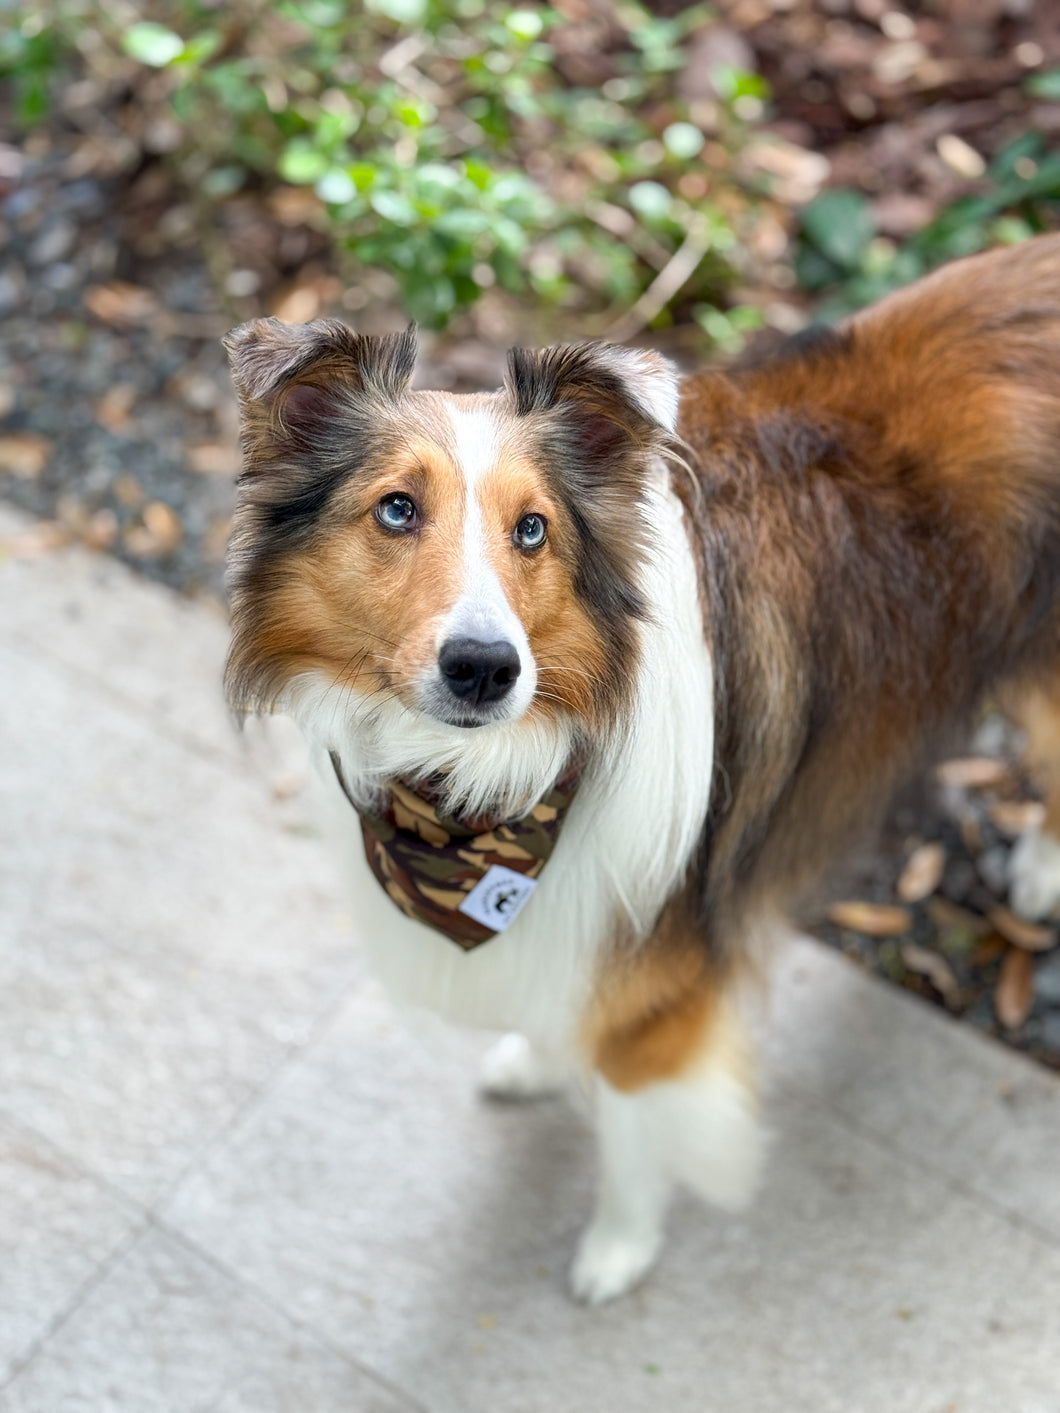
442 139
841 258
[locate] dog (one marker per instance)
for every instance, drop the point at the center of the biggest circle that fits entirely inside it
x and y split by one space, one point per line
609 669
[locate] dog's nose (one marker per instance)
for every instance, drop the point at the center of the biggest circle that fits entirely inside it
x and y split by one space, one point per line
479 672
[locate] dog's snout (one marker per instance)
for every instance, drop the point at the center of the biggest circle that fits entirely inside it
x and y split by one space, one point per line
478 672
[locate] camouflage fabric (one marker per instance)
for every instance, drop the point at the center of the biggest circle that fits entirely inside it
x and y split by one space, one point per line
435 867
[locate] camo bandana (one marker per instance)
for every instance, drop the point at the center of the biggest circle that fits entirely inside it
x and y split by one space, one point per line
468 878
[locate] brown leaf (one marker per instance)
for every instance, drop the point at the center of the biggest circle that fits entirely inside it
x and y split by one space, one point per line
922 873
102 529
1015 817
946 915
120 303
874 919
936 968
1014 993
24 454
213 459
113 408
988 950
972 772
38 541
1028 936
971 834
159 535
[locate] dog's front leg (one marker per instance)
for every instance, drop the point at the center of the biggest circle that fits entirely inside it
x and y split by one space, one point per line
622 1241
514 1068
675 1102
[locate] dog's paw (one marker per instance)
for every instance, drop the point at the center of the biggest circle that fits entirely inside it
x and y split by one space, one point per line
611 1260
1034 876
513 1069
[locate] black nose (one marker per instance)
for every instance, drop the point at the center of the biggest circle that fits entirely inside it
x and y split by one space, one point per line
478 672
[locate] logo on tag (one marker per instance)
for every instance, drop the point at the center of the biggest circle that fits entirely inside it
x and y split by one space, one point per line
498 897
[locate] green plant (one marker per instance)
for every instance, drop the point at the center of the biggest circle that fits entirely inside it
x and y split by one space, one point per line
441 139
841 258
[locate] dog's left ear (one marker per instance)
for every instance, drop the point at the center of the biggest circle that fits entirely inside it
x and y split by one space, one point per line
618 398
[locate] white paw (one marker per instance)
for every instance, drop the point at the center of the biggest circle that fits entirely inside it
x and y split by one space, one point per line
1034 876
512 1069
611 1260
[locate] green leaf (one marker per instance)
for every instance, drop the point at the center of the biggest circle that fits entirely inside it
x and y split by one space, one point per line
839 224
650 200
336 187
525 24
150 43
392 206
1045 85
683 140
300 163
200 48
402 12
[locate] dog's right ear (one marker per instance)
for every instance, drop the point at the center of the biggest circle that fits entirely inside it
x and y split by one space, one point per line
301 372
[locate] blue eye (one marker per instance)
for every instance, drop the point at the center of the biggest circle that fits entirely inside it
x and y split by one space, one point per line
530 532
396 512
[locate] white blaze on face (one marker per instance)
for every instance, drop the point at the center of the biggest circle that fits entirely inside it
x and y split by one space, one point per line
482 610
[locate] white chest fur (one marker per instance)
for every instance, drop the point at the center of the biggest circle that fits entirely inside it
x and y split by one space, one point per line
624 847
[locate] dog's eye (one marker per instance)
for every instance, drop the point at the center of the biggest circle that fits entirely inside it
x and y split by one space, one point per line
396 512
530 532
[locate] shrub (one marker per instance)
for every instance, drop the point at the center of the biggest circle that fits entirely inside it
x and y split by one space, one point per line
443 140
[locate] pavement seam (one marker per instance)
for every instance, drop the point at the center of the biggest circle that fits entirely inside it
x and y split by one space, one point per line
77 1300
269 1301
886 1143
258 1093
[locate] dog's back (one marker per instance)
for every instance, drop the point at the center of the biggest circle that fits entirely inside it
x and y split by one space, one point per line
878 529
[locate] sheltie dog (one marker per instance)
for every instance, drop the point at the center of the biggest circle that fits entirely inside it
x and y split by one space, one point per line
706 626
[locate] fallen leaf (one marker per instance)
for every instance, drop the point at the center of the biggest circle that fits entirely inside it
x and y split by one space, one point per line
113 408
922 873
120 303
945 914
1015 817
874 919
960 157
24 454
128 491
1028 936
214 542
213 459
988 951
102 529
37 541
159 535
298 305
972 772
1014 993
971 834
937 970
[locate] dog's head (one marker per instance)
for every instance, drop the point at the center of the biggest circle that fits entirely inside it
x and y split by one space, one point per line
473 558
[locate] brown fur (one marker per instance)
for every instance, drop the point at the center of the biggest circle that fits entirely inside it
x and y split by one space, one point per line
877 524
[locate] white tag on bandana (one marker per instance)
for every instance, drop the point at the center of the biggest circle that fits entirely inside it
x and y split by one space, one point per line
498 897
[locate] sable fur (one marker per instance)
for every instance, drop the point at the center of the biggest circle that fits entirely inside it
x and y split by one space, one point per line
876 519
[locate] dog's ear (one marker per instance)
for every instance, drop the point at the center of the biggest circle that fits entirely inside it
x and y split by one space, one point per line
302 373
617 399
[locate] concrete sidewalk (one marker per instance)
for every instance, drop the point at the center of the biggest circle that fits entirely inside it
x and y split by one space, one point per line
229 1180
